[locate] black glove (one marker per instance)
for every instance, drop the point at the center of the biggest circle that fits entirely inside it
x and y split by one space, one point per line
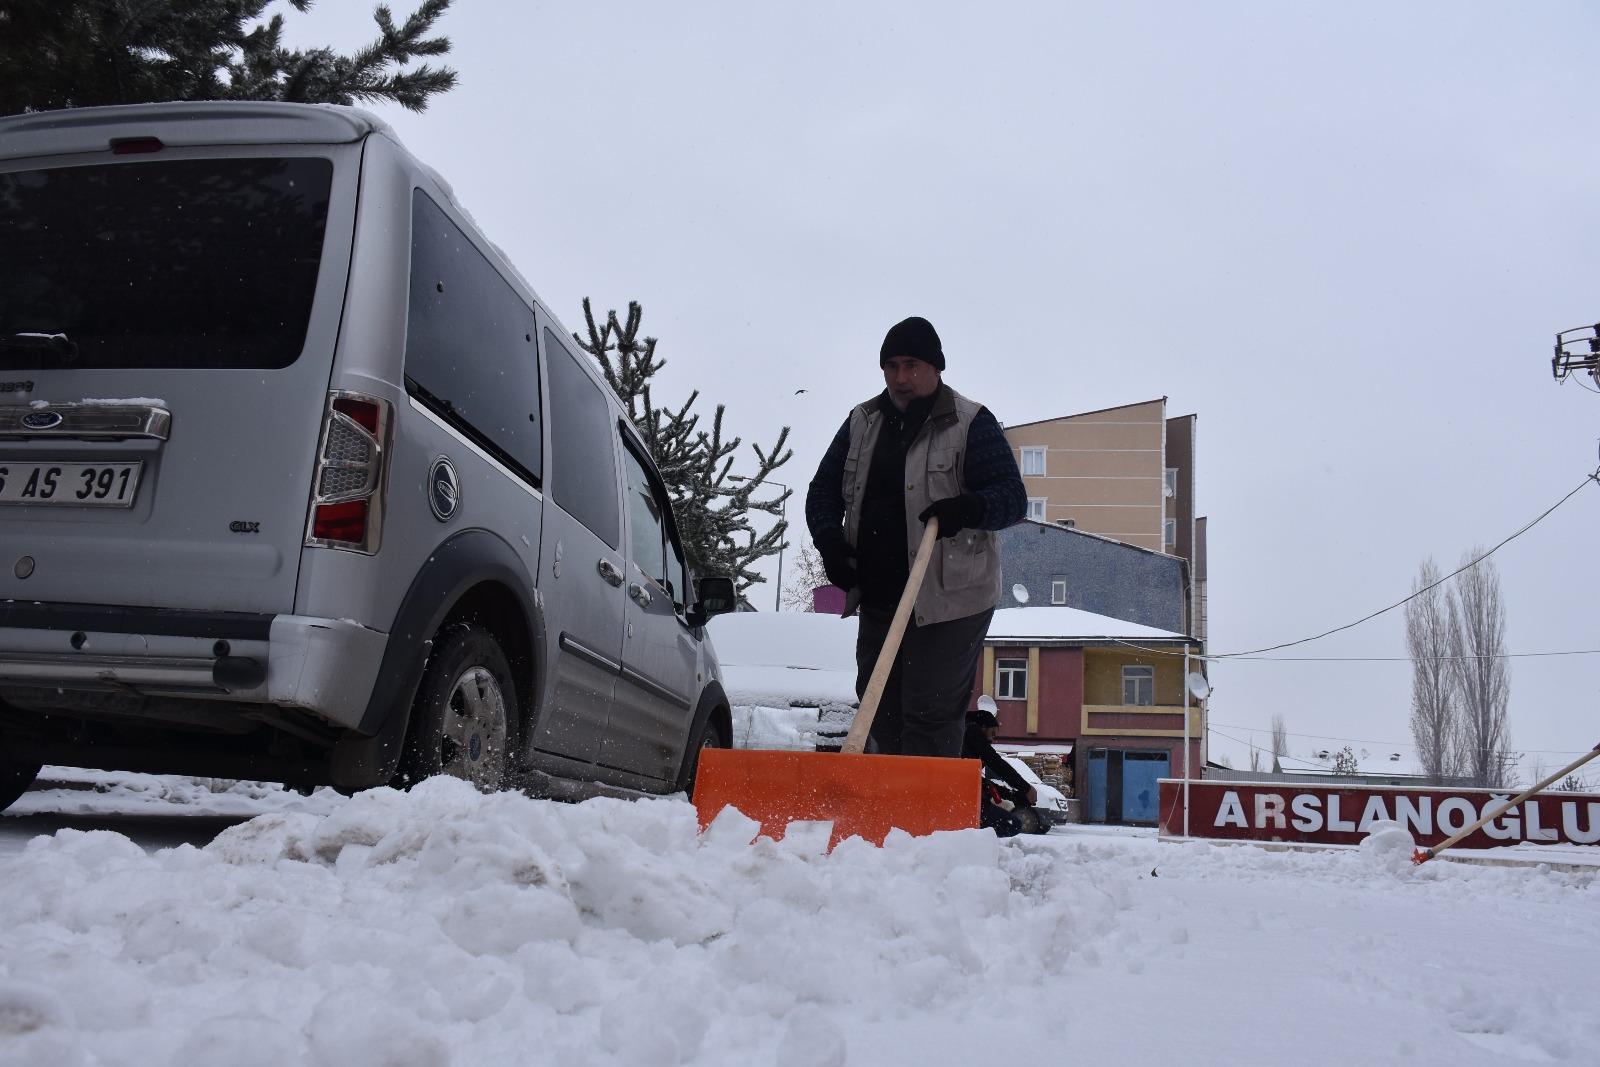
835 552
954 513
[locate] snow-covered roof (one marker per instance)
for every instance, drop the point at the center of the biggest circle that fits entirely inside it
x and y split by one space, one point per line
1069 624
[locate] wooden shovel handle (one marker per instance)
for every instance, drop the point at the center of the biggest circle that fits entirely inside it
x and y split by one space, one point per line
1423 855
856 741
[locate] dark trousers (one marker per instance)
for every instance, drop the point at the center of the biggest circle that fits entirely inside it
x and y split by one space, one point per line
924 706
998 819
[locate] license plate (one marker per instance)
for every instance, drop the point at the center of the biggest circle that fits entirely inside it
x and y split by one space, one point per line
83 485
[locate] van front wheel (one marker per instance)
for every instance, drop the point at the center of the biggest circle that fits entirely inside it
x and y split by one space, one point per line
464 720
709 736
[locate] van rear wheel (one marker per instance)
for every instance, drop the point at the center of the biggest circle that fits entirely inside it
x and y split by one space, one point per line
464 720
15 780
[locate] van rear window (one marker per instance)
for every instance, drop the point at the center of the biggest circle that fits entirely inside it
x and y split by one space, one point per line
161 263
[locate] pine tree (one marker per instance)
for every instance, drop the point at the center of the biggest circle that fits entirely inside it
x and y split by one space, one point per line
1345 762
711 503
83 53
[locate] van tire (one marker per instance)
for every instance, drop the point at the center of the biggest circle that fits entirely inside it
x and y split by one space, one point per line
464 720
15 780
709 736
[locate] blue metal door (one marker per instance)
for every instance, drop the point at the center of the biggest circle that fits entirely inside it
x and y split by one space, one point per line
1097 785
1140 772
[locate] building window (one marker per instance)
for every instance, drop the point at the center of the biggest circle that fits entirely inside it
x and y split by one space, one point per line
1058 590
1139 686
1170 487
1036 507
1169 531
1033 461
1011 679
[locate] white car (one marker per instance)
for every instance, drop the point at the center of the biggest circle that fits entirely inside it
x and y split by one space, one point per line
1050 800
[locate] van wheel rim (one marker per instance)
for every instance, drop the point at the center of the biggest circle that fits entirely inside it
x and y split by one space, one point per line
473 744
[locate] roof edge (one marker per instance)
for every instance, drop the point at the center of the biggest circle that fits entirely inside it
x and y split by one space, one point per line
184 124
1097 411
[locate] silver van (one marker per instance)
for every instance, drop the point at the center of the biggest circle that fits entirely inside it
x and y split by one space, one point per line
301 482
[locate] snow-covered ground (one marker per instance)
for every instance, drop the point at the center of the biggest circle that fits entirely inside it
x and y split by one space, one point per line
443 926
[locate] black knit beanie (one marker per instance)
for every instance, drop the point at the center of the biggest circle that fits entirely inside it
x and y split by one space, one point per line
984 719
912 337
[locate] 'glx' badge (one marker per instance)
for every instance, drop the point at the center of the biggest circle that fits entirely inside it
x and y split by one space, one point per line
444 489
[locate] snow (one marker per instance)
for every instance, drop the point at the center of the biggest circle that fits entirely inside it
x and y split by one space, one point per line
1072 624
443 926
780 669
76 791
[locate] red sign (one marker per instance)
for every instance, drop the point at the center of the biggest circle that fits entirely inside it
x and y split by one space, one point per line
1332 815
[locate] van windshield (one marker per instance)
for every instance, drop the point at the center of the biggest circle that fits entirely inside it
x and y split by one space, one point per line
160 263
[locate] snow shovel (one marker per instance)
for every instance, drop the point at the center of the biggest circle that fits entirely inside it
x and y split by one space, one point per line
1423 855
861 795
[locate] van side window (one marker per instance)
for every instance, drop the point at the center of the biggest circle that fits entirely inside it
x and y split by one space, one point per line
583 462
469 344
651 530
647 522
677 579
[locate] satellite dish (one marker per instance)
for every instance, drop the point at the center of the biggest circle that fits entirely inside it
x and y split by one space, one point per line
1199 688
986 703
1020 592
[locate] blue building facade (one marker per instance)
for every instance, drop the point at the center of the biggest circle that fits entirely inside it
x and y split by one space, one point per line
1065 566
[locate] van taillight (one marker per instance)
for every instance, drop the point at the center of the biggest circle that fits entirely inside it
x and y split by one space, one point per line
364 412
347 495
340 522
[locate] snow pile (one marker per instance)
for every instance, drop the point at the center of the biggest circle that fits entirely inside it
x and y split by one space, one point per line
442 926
780 670
78 791
1388 844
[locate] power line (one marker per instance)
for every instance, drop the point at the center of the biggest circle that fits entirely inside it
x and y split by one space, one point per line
1415 593
1244 657
1255 653
1378 744
1404 659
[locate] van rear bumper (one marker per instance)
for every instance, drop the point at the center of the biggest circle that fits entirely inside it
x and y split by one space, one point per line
323 666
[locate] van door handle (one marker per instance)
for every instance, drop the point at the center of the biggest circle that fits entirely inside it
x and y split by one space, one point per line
639 593
609 572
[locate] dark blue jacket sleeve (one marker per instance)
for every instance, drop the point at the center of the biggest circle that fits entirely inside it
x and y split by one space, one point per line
991 474
825 496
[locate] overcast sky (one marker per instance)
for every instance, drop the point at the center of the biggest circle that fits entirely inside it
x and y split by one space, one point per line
1344 235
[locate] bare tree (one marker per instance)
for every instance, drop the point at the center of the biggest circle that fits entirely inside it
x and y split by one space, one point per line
1483 679
1256 759
1280 741
1435 711
808 575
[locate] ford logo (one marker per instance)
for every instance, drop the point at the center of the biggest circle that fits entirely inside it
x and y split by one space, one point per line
41 420
444 489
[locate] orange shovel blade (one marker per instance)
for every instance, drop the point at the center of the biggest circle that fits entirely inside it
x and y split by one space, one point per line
863 796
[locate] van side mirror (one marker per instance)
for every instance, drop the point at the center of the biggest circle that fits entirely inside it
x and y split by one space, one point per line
717 597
